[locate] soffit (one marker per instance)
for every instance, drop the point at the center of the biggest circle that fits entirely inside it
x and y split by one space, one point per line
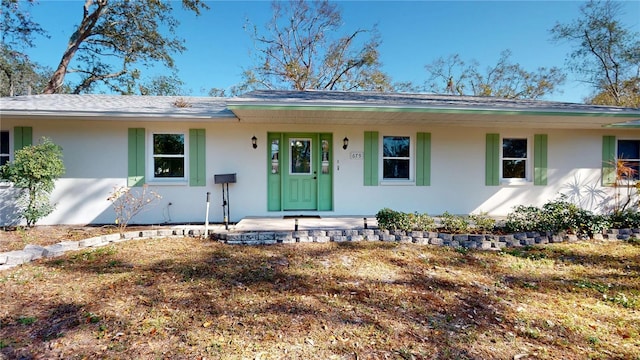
373 108
430 117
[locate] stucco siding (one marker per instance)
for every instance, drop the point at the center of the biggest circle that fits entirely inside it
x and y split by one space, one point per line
95 155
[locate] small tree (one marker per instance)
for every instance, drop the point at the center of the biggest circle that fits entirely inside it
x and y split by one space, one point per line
128 203
35 169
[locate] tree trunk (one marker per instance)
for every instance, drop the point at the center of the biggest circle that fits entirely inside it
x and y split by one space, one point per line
84 31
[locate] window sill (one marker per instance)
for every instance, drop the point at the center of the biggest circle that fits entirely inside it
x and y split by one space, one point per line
168 182
397 183
516 183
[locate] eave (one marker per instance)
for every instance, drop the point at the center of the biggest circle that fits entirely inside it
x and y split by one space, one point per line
429 116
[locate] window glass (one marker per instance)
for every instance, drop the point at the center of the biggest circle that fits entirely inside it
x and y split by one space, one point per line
4 147
629 156
396 161
301 156
325 156
275 154
168 156
514 158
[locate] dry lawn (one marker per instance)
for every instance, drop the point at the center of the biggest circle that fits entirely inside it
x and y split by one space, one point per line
191 298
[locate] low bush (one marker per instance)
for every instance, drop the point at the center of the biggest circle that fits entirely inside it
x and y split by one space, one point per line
625 219
395 220
555 216
482 223
455 224
524 218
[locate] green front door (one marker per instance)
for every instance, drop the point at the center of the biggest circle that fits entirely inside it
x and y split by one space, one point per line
300 172
300 175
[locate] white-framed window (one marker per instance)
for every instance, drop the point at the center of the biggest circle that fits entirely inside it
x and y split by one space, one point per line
396 158
168 161
4 147
629 156
515 161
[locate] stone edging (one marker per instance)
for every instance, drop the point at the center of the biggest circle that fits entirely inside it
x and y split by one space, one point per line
469 241
30 252
489 242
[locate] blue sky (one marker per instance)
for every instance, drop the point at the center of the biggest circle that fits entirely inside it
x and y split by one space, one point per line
413 34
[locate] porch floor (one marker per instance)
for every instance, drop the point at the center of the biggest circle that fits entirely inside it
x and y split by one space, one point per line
250 224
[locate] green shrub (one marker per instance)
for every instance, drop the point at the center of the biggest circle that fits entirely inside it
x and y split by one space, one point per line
455 224
35 169
395 220
560 215
482 223
625 219
524 218
590 224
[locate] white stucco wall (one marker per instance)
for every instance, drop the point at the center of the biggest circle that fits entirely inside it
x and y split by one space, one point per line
95 155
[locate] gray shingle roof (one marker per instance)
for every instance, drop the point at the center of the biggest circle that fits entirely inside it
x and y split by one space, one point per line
202 108
375 99
115 106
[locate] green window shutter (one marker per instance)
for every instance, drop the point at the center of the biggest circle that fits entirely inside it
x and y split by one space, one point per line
136 168
370 158
492 162
22 136
423 159
608 160
197 158
540 159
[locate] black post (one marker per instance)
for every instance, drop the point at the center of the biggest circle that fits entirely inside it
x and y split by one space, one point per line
226 224
224 209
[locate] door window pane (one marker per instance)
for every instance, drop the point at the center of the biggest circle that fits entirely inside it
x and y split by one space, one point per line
325 156
275 155
300 156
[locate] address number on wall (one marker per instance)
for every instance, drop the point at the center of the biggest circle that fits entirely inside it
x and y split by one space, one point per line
356 156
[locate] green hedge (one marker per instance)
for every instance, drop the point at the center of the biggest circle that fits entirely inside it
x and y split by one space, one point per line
556 216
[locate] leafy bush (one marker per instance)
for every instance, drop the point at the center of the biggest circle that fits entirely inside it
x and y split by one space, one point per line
395 220
35 169
422 222
524 218
455 224
590 224
560 215
625 219
482 223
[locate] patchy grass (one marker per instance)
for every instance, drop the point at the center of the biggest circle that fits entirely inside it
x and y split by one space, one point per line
191 298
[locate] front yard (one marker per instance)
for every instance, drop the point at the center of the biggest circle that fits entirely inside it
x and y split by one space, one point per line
189 298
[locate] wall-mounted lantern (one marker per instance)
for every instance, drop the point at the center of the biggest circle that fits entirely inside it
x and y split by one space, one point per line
254 142
345 143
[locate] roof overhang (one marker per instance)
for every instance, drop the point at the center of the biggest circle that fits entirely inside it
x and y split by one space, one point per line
434 116
98 107
113 116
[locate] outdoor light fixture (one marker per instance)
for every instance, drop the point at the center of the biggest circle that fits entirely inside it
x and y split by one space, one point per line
345 143
254 142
